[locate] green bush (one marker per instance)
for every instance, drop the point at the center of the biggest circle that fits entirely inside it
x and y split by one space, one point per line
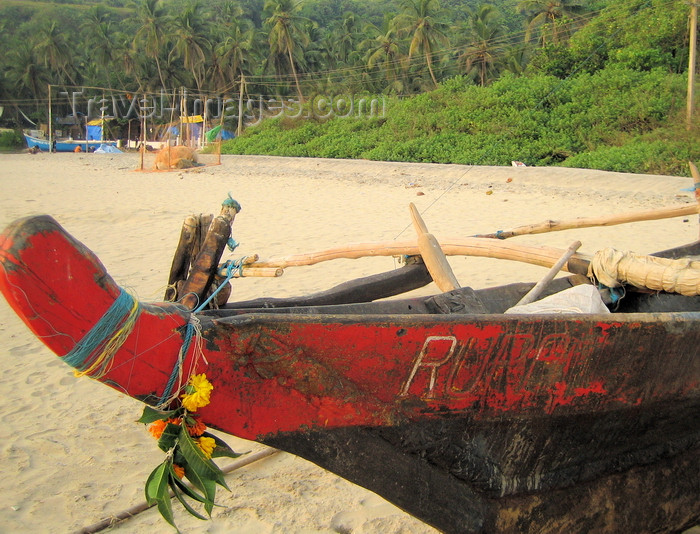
11 139
617 118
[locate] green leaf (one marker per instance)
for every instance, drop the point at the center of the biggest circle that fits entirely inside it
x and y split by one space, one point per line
222 449
157 491
166 510
169 438
200 464
157 483
150 415
189 491
207 486
179 496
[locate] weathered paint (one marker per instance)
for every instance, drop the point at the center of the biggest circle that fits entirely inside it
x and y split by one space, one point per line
499 402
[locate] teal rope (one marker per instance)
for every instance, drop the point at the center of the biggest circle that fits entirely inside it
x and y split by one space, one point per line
87 350
231 268
231 203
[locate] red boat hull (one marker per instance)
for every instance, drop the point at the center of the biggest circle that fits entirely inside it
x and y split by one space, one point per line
479 407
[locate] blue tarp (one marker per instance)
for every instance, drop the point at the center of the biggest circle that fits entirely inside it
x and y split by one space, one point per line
94 133
107 149
194 130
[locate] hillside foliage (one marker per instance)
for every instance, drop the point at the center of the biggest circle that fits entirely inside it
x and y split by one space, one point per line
595 83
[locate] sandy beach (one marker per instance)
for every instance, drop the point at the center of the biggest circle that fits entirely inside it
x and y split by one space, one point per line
71 453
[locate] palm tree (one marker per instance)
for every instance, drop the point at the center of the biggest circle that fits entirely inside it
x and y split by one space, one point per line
548 13
234 55
485 48
286 33
52 45
190 41
421 21
383 51
152 34
25 73
346 36
99 36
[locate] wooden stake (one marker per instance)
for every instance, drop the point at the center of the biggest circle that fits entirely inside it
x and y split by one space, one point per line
692 62
204 267
182 258
536 291
433 256
620 218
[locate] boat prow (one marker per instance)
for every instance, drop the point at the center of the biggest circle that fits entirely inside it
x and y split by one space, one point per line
61 291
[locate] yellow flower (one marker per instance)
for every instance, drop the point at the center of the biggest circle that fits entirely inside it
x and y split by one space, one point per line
206 445
197 393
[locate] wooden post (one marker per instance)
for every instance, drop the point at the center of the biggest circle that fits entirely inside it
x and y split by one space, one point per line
50 127
204 268
433 256
536 291
221 133
143 131
692 63
239 130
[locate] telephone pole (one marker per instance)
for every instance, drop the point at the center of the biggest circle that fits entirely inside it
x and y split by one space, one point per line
692 63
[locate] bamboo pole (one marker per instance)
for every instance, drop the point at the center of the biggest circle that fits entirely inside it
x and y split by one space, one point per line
239 130
692 62
587 222
50 125
433 256
143 131
465 246
536 291
143 506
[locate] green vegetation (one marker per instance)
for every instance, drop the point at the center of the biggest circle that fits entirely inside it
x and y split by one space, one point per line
615 119
596 83
10 139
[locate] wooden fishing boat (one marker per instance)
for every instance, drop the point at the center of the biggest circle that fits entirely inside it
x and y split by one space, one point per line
65 144
467 418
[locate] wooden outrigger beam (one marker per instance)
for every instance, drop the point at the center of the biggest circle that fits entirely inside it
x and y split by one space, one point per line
465 246
588 222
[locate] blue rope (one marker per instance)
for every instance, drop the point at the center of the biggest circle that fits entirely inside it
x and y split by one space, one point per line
231 268
85 352
173 375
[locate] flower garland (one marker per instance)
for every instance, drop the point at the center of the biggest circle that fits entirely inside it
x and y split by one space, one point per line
189 450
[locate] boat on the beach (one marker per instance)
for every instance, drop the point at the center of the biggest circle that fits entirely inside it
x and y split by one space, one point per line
467 417
66 144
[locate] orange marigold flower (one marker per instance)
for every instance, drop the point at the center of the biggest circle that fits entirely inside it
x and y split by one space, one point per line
197 429
156 428
206 445
179 471
175 421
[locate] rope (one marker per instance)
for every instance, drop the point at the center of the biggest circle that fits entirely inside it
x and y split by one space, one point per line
93 354
193 330
231 203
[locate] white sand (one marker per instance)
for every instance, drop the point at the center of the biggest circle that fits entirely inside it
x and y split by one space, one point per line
71 453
